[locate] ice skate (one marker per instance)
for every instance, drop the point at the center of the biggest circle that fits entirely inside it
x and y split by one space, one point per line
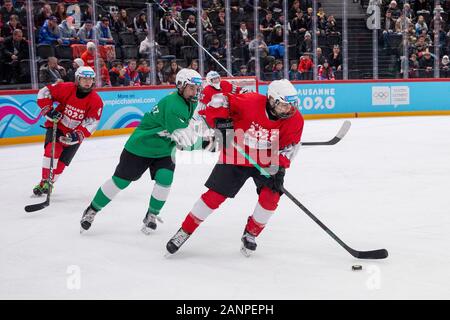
177 241
87 219
150 224
248 244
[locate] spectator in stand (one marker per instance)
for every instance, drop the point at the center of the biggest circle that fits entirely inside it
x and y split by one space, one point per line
140 23
421 25
243 71
172 72
132 75
388 28
335 58
191 28
267 24
422 6
88 56
7 10
11 25
394 10
307 45
278 72
413 66
445 67
45 13
87 14
280 21
118 25
123 18
144 72
305 66
216 50
104 35
86 32
331 28
420 46
320 58
105 80
145 47
167 24
308 18
242 35
49 33
402 23
193 65
276 47
276 7
67 31
299 24
15 49
117 74
206 23
408 12
60 12
321 22
70 77
160 77
426 63
259 45
294 9
52 72
294 75
219 24
216 6
325 72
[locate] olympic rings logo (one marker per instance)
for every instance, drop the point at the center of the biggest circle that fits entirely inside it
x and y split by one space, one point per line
382 95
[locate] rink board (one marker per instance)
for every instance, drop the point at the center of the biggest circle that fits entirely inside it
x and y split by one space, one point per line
124 107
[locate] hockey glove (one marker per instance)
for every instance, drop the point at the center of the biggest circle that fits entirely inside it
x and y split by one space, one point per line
184 138
276 180
72 138
53 115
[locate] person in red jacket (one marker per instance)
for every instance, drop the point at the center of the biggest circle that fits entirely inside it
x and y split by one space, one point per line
305 66
78 113
89 55
268 128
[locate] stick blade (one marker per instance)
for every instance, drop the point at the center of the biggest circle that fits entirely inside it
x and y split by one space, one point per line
374 254
37 206
344 129
338 137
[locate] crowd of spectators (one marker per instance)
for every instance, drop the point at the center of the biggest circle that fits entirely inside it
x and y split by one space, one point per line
424 25
65 35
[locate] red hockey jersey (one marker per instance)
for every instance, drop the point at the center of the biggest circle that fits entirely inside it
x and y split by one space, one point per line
78 114
268 142
225 87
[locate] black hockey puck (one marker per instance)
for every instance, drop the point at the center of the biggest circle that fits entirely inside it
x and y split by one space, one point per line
356 267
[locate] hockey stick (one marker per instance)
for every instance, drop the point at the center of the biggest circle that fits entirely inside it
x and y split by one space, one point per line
338 137
372 254
46 203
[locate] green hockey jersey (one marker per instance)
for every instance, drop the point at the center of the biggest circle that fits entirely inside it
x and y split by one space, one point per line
151 139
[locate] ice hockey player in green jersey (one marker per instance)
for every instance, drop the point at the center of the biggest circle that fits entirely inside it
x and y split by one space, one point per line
151 146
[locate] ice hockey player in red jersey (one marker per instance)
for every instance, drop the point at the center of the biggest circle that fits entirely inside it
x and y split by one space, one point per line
214 85
269 129
77 112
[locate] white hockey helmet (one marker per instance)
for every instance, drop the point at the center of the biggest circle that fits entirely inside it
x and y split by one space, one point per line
210 77
282 91
188 77
84 72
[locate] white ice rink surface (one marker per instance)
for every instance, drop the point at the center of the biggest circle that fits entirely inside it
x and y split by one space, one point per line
386 185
